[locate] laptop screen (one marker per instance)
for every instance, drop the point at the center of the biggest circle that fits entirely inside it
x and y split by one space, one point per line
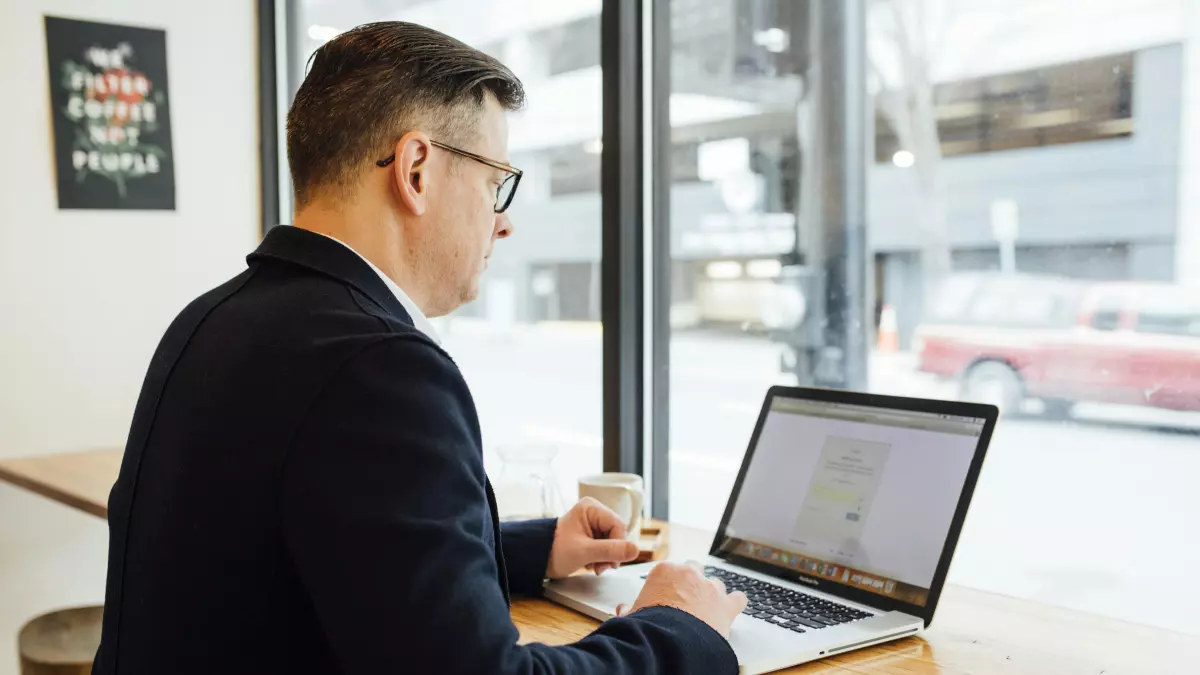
856 495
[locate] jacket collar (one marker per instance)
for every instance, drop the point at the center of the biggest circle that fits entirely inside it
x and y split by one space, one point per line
322 254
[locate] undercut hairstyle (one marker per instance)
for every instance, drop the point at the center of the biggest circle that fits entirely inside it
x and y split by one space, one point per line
369 86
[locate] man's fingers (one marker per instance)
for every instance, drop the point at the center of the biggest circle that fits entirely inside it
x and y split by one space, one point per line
660 569
611 551
738 600
603 521
621 610
601 568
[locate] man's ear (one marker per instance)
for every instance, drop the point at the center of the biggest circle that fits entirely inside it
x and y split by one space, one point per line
410 171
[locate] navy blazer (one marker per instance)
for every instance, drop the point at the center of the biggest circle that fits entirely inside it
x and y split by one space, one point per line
303 492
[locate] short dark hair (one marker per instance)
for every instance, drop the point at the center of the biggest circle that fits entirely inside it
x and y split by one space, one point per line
370 85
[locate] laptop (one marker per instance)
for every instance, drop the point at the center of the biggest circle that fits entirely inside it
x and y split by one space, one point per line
840 527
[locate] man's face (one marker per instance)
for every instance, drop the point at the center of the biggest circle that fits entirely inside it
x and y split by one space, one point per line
462 223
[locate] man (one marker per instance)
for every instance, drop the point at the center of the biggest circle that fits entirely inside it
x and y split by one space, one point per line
303 488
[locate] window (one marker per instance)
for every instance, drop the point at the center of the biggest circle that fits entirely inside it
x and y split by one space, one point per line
1060 103
952 301
1166 311
1024 301
734 194
1106 318
574 45
574 169
530 345
1106 312
1027 156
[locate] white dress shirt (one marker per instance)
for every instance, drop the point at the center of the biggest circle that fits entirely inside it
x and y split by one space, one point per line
420 321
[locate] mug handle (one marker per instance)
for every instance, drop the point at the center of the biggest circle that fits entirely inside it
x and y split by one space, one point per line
635 512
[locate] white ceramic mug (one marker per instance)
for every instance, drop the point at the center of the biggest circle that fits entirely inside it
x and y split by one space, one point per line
621 492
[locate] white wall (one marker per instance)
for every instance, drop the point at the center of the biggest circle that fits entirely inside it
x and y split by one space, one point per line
85 296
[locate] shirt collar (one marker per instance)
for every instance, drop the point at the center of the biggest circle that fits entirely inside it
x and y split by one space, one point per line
420 321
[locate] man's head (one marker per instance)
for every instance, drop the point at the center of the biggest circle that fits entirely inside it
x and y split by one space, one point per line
427 217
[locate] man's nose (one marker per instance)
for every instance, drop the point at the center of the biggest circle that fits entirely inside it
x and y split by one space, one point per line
504 226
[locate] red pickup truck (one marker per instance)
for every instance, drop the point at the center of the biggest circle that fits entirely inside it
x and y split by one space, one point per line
1009 337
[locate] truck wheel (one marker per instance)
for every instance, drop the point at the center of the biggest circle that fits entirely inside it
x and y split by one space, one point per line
994 383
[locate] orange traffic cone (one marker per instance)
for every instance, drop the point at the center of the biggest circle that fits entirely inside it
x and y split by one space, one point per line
888 339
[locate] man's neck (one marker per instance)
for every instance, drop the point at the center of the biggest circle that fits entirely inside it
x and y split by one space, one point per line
375 238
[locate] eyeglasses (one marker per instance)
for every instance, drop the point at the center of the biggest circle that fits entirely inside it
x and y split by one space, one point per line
504 192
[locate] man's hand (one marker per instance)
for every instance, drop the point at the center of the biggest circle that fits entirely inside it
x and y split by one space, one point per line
684 587
589 535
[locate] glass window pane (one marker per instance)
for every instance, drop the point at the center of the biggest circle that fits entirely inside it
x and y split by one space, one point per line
735 190
529 345
1106 312
1169 311
1032 241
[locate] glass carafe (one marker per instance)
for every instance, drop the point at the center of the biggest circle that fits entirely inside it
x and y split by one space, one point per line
526 486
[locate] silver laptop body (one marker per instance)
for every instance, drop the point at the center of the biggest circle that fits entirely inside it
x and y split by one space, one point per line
840 526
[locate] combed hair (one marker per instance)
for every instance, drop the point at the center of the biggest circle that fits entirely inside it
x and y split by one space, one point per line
369 86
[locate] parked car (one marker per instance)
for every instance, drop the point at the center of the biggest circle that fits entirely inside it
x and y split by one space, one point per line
1009 337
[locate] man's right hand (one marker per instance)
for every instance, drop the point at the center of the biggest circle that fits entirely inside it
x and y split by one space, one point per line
684 587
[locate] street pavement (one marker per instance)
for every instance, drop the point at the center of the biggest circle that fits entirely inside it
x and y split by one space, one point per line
1098 514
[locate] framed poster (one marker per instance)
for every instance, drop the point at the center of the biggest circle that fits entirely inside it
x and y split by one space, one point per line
112 125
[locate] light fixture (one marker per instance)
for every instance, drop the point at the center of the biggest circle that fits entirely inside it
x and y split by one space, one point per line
903 159
741 192
774 40
723 269
322 33
718 159
766 268
594 146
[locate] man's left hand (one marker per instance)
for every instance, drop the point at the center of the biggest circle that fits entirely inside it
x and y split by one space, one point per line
589 535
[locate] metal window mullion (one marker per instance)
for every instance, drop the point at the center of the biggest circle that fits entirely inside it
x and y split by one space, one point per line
660 256
268 115
622 245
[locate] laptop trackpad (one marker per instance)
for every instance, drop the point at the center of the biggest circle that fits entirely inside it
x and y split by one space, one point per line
595 596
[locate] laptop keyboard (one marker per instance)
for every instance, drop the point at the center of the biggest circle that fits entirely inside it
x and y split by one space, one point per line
790 609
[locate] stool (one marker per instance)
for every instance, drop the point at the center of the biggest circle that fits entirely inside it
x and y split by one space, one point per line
61 643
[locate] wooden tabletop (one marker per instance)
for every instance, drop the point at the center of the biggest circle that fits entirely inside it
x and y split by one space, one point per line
974 633
80 480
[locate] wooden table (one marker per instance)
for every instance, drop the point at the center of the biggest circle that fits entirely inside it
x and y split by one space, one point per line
80 480
975 633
